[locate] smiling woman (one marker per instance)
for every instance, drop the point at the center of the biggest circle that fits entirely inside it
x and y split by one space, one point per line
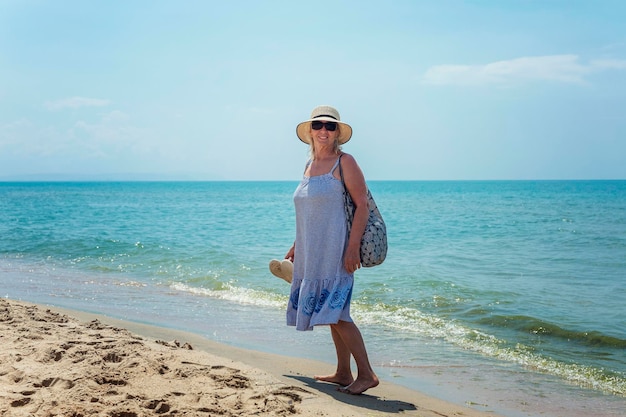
326 253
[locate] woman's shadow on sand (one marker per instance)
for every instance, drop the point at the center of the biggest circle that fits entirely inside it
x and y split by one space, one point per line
364 400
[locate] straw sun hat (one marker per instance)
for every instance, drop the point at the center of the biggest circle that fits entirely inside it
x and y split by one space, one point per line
324 114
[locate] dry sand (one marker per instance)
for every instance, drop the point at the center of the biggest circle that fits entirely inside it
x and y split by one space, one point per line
59 363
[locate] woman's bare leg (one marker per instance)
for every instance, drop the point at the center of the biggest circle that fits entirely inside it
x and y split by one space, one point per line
343 374
352 340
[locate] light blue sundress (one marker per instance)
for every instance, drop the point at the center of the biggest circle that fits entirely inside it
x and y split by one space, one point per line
321 288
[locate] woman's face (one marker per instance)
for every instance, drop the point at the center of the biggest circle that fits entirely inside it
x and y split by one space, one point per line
322 135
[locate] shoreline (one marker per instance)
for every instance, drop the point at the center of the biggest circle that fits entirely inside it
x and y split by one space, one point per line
51 357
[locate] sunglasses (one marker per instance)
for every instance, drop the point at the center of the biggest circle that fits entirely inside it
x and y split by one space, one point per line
330 126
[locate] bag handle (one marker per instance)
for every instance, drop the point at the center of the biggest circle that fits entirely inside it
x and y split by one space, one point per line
341 171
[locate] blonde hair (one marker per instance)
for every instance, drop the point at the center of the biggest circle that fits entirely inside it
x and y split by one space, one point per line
336 148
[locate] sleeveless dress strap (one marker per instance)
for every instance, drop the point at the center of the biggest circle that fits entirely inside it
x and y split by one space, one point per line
331 170
307 165
336 165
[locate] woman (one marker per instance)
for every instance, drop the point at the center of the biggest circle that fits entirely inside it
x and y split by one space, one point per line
324 256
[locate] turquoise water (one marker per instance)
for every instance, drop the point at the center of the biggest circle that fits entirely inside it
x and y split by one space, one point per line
505 295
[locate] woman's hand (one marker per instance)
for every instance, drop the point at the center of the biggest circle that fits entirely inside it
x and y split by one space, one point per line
352 258
291 253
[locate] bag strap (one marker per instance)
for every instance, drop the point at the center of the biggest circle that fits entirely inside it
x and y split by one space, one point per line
370 201
341 171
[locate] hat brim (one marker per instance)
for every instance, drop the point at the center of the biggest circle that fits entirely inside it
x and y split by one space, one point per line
303 130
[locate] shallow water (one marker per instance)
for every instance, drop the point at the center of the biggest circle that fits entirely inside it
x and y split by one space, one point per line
507 296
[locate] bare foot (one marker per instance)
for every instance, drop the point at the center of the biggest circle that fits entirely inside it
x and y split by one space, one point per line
342 380
359 386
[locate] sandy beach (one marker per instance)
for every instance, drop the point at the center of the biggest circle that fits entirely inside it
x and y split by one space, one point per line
56 362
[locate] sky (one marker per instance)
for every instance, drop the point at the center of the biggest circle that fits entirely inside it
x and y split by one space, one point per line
213 90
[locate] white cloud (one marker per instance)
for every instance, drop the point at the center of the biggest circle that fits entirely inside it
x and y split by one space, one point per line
111 133
559 68
76 102
602 64
23 137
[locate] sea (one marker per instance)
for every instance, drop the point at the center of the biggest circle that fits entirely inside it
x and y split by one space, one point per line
503 296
